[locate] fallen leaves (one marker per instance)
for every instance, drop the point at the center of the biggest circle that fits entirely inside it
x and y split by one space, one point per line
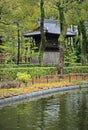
4 93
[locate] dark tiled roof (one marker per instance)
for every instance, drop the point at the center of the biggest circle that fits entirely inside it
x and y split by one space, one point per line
50 26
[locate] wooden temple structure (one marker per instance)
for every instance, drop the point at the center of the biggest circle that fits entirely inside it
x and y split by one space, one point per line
52 33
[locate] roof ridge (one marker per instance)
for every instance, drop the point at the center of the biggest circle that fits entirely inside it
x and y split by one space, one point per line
49 21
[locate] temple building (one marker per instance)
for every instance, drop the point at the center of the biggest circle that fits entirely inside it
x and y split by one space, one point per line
52 33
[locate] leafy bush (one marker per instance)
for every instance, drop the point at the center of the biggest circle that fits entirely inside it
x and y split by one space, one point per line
70 56
24 77
75 64
11 73
21 65
76 69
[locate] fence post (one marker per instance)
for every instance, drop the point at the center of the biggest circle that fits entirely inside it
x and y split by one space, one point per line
32 80
82 76
76 76
59 78
85 75
47 79
69 78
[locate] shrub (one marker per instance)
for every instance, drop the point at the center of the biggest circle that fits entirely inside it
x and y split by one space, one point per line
11 73
76 69
75 64
24 77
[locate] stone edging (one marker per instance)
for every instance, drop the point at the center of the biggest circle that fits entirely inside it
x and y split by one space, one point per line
40 94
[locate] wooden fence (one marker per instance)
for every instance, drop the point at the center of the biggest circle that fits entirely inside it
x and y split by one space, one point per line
43 79
58 78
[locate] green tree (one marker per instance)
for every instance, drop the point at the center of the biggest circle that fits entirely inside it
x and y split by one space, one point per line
77 15
65 10
16 17
63 27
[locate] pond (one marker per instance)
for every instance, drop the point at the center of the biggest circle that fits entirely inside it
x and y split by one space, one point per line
67 111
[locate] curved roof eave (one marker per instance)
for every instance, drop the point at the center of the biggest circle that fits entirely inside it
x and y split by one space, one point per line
30 34
54 33
50 26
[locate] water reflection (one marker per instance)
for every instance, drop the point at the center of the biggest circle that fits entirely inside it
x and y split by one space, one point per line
58 112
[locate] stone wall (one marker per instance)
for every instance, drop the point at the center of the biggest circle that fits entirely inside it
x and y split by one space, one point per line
50 57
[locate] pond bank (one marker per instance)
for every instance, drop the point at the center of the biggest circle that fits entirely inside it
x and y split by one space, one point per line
41 94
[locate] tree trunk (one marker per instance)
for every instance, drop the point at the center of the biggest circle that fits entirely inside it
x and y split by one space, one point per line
18 55
84 42
61 39
42 44
61 59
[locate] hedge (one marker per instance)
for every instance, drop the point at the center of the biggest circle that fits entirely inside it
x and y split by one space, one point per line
11 73
76 69
9 65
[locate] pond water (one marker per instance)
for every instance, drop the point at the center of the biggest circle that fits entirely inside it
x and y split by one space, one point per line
68 111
